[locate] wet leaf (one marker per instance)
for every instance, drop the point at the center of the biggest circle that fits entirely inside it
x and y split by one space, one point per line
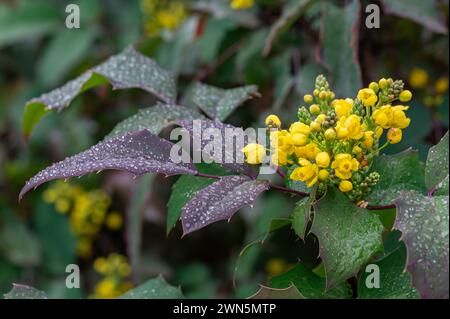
301 216
348 235
137 153
220 103
219 201
156 288
25 292
274 293
436 169
423 222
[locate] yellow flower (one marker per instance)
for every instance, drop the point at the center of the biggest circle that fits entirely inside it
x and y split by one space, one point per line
441 85
241 4
391 116
342 107
368 97
106 288
368 139
349 127
308 151
356 150
394 135
299 139
323 174
308 98
378 131
279 158
114 220
308 173
323 159
399 119
405 96
345 186
320 118
314 109
330 134
315 126
418 78
62 205
254 153
299 127
343 165
275 266
101 265
282 140
273 121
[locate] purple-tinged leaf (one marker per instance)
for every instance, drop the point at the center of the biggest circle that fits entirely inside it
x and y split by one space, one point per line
423 221
220 200
228 155
137 153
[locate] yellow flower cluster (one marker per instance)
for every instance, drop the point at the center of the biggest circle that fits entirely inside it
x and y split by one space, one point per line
241 4
334 140
115 270
87 210
162 15
433 92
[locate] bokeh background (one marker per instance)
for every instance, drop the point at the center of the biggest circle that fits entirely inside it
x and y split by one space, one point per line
112 221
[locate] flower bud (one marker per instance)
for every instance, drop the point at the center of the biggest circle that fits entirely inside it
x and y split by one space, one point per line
374 86
308 98
314 109
315 126
273 121
323 174
345 186
394 135
405 96
323 159
330 134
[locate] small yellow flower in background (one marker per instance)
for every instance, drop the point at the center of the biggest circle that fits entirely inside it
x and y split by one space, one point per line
441 85
241 4
114 270
255 153
394 135
114 220
273 121
323 159
344 165
368 97
342 107
345 186
162 15
308 173
275 267
418 78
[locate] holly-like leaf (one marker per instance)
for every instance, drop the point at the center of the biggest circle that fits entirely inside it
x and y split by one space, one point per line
423 221
220 200
426 13
137 153
348 235
218 144
128 69
156 288
154 119
291 12
301 216
264 292
436 170
340 34
394 282
399 172
310 285
25 292
220 103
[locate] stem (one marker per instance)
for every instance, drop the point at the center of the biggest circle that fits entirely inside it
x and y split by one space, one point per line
280 173
380 207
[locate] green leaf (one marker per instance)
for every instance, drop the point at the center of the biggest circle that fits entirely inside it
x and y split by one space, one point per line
219 103
30 19
284 81
340 34
394 282
423 221
426 13
213 36
436 169
63 52
301 216
399 172
156 288
128 69
308 71
274 293
25 292
185 188
154 119
291 12
310 285
348 235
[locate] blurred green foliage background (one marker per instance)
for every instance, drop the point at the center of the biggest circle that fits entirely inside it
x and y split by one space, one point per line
97 220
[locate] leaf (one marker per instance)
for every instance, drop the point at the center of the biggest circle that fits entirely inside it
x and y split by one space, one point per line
284 81
30 19
273 293
229 156
427 13
213 36
395 283
220 103
291 12
25 292
436 169
156 288
310 285
340 52
154 119
128 69
137 153
423 222
308 71
63 52
348 235
184 189
301 216
219 201
399 172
